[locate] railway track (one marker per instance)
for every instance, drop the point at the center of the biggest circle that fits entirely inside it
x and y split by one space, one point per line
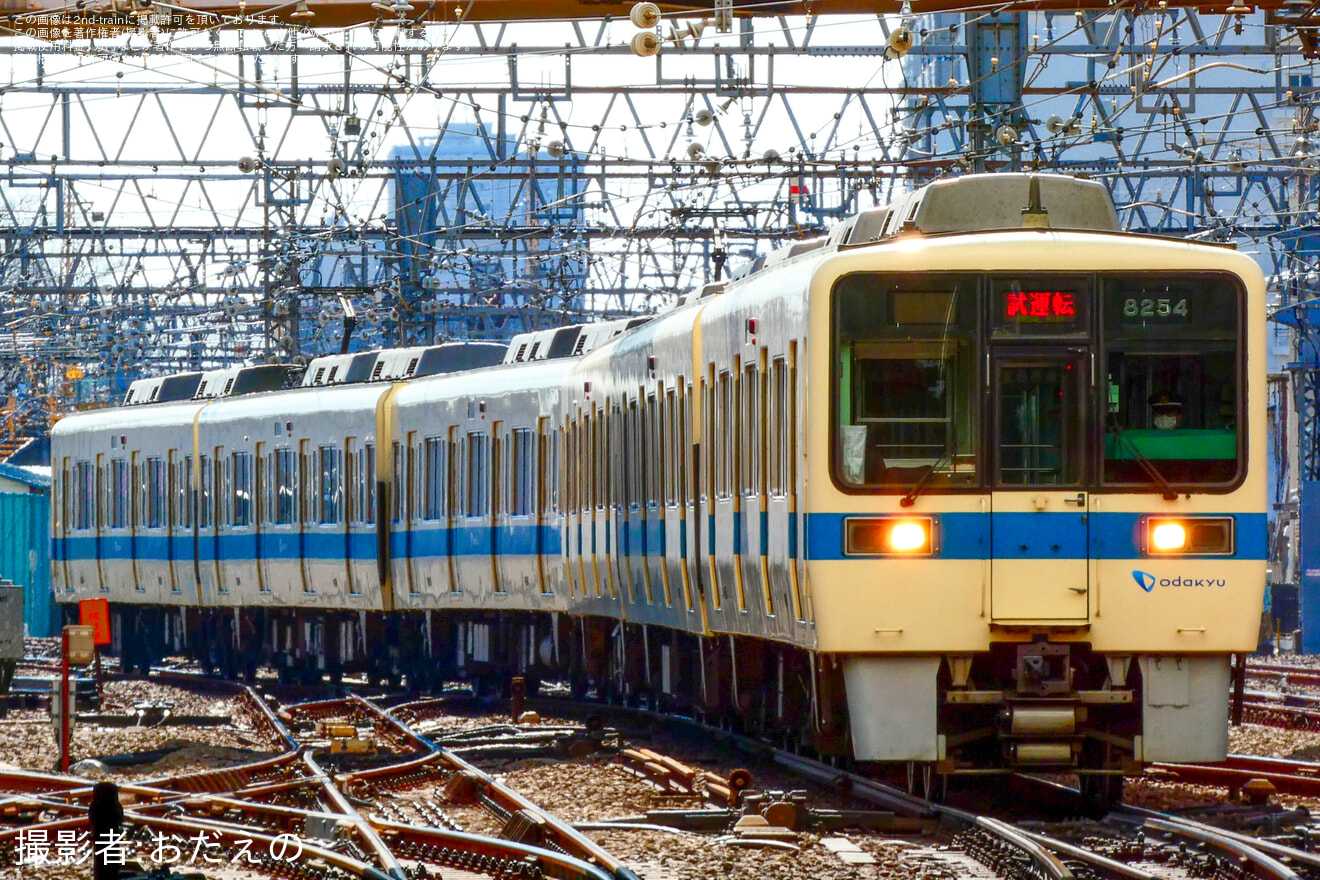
333 793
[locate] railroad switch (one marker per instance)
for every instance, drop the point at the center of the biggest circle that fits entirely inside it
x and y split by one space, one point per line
352 745
525 826
464 787
786 811
1257 792
335 728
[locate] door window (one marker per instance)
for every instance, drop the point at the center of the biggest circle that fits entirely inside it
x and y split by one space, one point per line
1038 420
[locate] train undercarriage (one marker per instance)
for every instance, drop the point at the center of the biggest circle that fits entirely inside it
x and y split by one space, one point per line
1039 705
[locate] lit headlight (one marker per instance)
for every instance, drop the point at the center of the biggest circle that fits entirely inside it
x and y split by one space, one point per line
1187 536
890 536
1168 537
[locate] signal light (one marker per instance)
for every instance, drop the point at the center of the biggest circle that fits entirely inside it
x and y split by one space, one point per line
1187 536
890 536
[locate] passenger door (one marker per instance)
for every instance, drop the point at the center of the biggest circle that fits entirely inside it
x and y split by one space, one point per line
1039 520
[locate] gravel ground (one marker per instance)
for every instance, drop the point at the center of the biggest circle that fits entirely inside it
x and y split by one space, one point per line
599 788
660 856
1274 742
27 737
1156 793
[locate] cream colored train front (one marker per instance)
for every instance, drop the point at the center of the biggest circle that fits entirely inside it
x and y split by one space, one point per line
1036 482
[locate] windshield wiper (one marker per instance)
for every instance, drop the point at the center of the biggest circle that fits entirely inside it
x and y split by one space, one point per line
1146 464
911 497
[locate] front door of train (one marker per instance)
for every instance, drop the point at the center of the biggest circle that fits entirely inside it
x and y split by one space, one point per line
1039 512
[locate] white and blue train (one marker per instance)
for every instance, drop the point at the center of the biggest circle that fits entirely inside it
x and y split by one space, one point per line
975 482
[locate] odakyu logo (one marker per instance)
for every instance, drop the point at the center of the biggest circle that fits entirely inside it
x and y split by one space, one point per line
1149 582
1145 580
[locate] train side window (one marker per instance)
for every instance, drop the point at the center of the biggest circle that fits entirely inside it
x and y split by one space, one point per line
306 483
751 431
87 480
118 493
476 476
396 505
413 478
281 508
499 467
589 496
588 462
669 467
241 485
550 478
155 494
585 463
433 478
330 489
546 479
596 432
605 496
631 465
369 484
82 490
205 495
641 447
173 507
654 456
454 483
187 494
355 483
778 426
98 493
59 490
521 471
62 487
723 426
223 487
352 482
683 440
708 432
570 471
135 499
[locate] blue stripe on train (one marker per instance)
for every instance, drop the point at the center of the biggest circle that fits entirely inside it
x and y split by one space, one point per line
962 536
973 535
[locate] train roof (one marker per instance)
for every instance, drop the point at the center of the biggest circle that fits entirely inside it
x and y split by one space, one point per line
163 389
387 365
968 204
572 341
225 382
392 365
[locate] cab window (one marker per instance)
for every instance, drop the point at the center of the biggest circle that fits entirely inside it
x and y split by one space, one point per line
904 374
1173 380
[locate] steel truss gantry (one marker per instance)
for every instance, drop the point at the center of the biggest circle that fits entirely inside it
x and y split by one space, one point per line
179 200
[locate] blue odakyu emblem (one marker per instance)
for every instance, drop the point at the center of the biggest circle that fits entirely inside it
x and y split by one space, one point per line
1145 580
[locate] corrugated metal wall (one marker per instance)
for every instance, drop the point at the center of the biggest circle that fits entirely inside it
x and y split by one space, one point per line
25 557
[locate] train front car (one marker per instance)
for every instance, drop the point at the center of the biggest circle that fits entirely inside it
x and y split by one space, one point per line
1037 484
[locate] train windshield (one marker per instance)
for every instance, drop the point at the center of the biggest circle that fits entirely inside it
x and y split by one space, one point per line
1172 380
1115 380
906 367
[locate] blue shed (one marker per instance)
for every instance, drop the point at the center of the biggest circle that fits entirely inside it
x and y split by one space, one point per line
25 545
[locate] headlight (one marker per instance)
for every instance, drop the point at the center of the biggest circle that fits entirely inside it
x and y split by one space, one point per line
890 536
1168 537
1187 536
